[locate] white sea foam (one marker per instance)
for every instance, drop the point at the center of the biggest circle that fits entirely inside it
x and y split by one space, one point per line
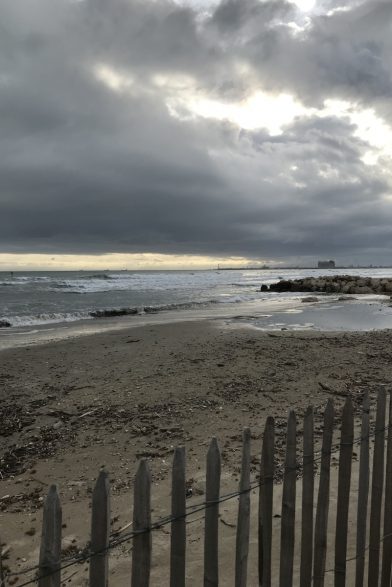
138 282
236 299
49 318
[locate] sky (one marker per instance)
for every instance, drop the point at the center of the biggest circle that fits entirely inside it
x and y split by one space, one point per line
164 134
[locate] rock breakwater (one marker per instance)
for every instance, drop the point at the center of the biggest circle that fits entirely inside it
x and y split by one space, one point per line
345 284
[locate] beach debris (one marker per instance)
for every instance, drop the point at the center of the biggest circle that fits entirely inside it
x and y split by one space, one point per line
4 323
5 552
194 487
14 418
324 386
229 524
122 529
32 501
88 413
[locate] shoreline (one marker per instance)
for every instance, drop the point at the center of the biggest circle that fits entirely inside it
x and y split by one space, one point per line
55 332
247 314
112 398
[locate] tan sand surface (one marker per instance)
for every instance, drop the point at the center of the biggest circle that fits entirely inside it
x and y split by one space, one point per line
74 406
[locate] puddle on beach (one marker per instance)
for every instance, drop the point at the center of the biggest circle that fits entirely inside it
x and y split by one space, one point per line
348 316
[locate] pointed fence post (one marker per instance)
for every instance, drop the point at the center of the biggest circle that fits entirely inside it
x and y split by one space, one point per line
2 578
363 493
100 530
141 553
345 461
377 490
387 546
266 503
321 524
243 522
211 563
287 536
307 501
50 552
178 531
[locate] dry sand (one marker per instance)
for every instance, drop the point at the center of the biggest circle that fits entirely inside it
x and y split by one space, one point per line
74 406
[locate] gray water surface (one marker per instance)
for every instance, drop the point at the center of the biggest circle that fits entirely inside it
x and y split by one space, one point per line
355 315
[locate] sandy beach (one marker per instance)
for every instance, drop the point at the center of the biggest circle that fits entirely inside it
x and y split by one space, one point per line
195 236
71 407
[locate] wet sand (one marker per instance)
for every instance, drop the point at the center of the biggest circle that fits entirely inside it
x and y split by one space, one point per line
106 400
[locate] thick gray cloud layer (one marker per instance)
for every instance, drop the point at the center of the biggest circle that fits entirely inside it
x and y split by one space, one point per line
85 168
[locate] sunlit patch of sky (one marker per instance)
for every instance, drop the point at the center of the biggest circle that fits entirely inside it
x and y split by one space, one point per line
272 112
113 79
119 261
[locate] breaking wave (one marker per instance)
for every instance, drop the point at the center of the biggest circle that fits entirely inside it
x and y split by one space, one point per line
98 313
47 318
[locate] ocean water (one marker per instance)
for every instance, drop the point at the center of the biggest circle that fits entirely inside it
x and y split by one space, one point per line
359 314
38 298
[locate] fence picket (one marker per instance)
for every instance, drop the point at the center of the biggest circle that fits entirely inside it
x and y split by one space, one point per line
50 551
211 563
387 543
2 577
243 523
100 529
307 501
266 503
178 532
344 481
377 490
141 553
287 536
321 524
363 493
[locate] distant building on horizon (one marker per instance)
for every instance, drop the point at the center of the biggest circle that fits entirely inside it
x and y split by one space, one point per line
326 264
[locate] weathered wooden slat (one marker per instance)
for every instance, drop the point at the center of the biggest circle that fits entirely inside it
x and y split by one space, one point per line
178 532
100 530
307 501
141 553
321 524
50 551
344 482
266 503
2 578
288 506
243 521
363 493
377 490
387 546
211 563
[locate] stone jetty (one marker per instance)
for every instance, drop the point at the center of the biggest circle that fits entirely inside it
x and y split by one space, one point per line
343 284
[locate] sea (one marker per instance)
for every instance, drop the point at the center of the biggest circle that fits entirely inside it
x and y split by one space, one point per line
46 305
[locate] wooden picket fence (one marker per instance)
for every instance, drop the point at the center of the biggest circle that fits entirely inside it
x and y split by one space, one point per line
373 540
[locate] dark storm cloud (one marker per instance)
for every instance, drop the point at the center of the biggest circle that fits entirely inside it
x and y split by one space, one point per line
85 168
247 18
